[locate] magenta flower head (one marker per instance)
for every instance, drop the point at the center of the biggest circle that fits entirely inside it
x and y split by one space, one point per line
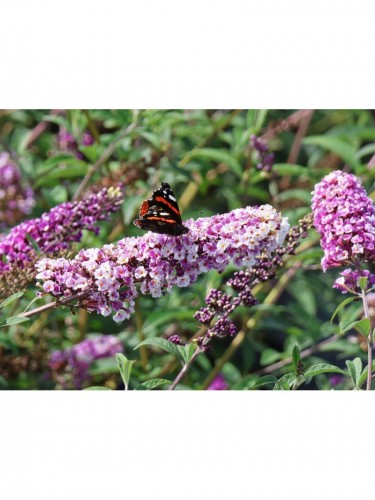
107 277
16 200
218 384
345 217
57 229
79 357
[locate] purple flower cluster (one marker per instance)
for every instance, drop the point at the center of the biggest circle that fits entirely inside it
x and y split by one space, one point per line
221 304
266 159
67 143
345 217
56 229
348 281
79 357
158 262
218 384
176 339
16 200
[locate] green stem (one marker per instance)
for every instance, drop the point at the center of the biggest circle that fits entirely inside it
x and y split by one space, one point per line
185 369
54 304
143 349
370 343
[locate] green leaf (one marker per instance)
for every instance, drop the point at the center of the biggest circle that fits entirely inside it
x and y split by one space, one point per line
337 145
153 139
14 320
104 366
58 120
92 152
346 325
97 388
296 356
164 344
125 366
343 304
4 384
255 119
31 303
363 377
11 299
186 351
267 379
369 149
300 379
363 326
320 368
155 382
295 194
289 169
355 370
304 295
285 383
57 161
159 317
217 155
269 356
65 169
34 245
363 282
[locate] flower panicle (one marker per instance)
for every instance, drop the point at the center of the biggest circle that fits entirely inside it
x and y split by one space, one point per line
158 262
221 305
80 357
344 216
16 199
55 230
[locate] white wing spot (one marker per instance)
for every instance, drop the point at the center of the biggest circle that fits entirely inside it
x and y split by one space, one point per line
171 197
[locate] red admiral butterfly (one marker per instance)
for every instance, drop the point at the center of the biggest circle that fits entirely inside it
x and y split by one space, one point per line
160 214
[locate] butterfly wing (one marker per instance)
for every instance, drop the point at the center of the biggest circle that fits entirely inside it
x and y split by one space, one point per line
161 214
165 199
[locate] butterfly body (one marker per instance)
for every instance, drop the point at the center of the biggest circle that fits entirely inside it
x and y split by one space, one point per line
160 213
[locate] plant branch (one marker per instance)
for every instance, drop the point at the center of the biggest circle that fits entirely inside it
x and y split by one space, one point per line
185 369
304 354
301 132
40 128
54 304
271 298
370 342
292 121
141 335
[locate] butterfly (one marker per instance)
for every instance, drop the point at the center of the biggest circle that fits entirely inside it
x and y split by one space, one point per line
160 213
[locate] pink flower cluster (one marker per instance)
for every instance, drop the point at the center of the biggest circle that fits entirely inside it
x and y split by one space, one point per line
16 200
79 357
158 262
345 217
56 229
